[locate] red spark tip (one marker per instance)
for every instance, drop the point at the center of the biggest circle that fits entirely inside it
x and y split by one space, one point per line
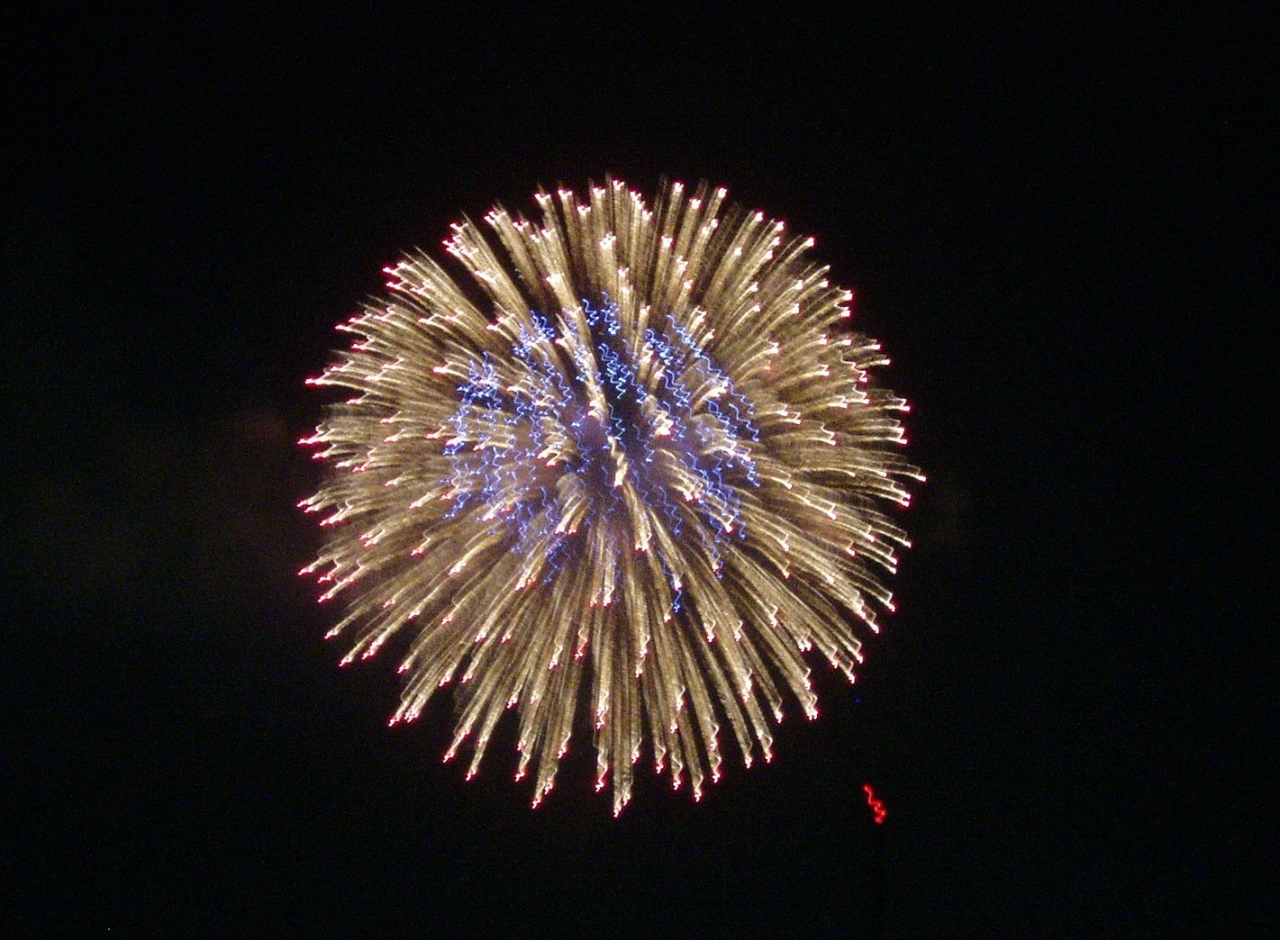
877 806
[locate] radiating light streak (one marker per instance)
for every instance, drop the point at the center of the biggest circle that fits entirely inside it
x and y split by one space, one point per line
640 462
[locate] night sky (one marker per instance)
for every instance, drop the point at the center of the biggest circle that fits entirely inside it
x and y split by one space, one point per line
1058 229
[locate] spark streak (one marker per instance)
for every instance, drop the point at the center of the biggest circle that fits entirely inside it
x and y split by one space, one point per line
637 469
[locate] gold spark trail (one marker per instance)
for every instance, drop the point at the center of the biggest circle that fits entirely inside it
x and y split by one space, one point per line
637 468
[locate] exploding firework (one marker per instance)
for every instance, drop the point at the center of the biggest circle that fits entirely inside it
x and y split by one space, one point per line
636 464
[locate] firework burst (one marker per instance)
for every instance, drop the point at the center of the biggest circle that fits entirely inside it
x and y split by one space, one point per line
635 469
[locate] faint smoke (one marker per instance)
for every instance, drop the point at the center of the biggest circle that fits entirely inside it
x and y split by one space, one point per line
168 519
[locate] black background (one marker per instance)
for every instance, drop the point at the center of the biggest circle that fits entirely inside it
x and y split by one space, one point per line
1057 225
